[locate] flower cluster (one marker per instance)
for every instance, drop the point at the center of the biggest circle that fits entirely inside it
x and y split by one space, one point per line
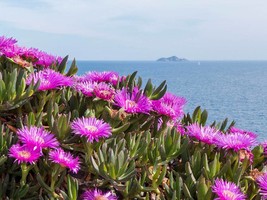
25 56
102 136
49 79
227 190
34 140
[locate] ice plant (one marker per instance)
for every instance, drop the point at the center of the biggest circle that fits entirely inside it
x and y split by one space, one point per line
65 159
95 194
46 60
10 49
105 76
91 128
262 183
237 130
205 134
227 190
135 102
49 79
86 88
104 91
169 105
235 141
7 46
24 154
37 137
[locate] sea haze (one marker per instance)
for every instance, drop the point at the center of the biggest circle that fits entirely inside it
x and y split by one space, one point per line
233 89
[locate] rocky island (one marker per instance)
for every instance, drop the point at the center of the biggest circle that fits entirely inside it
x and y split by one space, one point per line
172 59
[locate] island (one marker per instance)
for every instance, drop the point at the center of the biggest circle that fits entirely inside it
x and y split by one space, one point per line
172 59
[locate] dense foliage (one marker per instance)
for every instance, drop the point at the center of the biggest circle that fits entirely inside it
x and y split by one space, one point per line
104 136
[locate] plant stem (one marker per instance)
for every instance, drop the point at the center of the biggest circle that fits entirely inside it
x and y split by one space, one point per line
25 171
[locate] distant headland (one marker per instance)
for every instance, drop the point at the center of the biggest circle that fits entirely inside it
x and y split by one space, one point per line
172 59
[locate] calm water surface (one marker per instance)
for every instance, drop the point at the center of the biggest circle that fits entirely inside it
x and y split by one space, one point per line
233 89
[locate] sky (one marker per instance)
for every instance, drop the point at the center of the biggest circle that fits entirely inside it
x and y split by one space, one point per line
140 29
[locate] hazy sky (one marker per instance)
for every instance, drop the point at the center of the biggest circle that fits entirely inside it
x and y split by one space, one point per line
139 29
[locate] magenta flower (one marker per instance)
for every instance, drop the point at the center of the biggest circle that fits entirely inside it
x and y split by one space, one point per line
65 159
95 194
104 91
37 137
262 183
264 146
7 46
6 42
46 60
49 79
235 141
135 102
227 190
105 76
24 154
205 134
169 105
9 49
179 127
80 79
237 130
91 128
87 88
38 58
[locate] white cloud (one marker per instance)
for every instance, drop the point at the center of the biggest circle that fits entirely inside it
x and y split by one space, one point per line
148 27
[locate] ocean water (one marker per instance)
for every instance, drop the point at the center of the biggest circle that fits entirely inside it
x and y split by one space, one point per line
233 89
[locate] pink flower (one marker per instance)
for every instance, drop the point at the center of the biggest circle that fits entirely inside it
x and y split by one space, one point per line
227 190
205 134
237 130
262 182
87 88
169 105
37 137
7 46
135 102
95 194
91 128
49 79
179 128
104 91
235 141
9 49
105 76
24 154
46 60
65 160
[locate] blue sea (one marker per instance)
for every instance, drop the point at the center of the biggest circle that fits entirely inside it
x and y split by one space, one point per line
233 89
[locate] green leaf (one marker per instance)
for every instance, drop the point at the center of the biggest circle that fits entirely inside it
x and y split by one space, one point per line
131 81
202 188
224 124
148 88
159 88
63 64
160 94
204 117
73 68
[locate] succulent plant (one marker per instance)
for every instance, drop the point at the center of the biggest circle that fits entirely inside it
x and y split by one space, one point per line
147 152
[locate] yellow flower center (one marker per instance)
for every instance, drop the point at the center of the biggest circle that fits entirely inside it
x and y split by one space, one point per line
91 128
41 140
25 154
100 197
130 103
229 194
105 93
